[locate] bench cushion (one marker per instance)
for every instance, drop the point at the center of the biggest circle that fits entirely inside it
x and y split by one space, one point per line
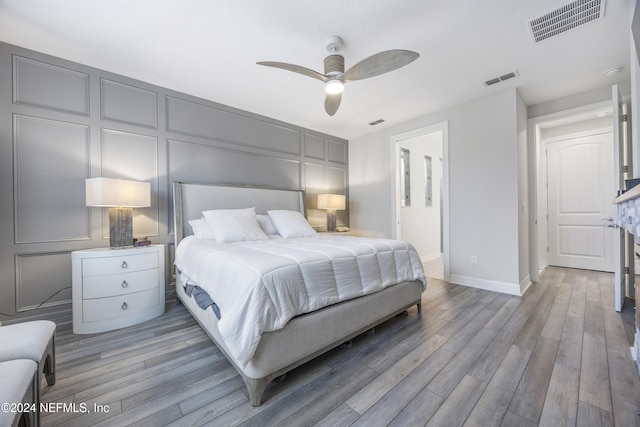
26 340
15 376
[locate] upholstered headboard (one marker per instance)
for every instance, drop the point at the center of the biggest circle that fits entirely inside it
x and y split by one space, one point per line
189 200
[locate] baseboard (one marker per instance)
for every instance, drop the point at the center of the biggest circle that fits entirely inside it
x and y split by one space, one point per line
59 317
489 285
525 284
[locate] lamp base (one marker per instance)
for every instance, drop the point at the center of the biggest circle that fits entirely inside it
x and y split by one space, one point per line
331 220
120 227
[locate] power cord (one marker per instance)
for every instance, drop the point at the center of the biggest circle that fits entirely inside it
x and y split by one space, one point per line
39 305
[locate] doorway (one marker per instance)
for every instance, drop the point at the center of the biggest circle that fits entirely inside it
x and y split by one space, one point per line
580 185
420 213
578 125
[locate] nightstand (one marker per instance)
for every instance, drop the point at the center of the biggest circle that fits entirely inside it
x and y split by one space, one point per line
115 288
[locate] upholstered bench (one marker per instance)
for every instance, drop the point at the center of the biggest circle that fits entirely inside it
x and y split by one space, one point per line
33 341
19 393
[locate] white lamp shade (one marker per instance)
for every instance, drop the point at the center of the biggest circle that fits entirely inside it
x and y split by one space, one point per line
111 192
331 201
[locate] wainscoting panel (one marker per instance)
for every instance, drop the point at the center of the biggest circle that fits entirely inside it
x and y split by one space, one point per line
41 275
128 104
315 178
194 119
338 152
191 162
132 156
314 147
48 86
51 163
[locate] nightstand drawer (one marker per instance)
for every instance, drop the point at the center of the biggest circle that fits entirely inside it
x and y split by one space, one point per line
119 284
119 264
119 306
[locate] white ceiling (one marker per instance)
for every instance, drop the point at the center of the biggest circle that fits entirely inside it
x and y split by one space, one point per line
209 48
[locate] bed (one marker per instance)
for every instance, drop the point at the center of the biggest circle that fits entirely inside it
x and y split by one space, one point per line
307 329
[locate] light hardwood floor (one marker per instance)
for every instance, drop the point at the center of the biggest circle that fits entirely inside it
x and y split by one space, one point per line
558 356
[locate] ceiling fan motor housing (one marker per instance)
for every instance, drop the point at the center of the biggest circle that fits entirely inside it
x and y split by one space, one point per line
334 65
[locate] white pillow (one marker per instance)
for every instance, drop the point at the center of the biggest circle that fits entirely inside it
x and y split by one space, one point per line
291 224
267 225
233 225
201 229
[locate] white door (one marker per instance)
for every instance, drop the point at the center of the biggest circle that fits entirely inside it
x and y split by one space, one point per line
618 233
580 190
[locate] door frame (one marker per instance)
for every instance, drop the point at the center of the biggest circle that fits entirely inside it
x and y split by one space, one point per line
395 184
538 226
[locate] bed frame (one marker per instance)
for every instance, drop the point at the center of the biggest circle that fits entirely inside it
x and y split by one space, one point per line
304 337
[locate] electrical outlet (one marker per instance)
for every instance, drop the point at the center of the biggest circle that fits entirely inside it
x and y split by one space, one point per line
474 259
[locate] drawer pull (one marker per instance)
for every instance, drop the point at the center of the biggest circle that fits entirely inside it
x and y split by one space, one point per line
124 306
125 284
124 264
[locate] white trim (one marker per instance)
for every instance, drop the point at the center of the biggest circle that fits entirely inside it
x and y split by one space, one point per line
575 135
489 285
395 160
537 188
524 284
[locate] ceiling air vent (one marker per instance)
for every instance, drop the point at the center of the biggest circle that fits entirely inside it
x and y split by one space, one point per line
565 18
502 78
376 122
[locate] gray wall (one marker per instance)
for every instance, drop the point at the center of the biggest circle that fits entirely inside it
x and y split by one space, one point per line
485 182
62 122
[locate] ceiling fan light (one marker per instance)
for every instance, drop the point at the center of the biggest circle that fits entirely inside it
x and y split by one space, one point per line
334 87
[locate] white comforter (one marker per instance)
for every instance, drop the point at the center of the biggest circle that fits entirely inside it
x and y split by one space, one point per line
260 285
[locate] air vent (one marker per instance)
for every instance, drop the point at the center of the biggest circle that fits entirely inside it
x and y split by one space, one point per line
502 78
376 122
565 18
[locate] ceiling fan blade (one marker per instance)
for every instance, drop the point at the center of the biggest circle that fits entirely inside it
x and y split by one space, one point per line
332 102
380 63
296 69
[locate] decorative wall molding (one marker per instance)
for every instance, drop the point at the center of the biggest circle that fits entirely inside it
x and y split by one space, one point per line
49 86
194 119
128 104
31 291
50 163
68 122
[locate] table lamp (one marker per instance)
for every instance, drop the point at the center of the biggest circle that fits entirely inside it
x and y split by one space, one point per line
332 203
119 196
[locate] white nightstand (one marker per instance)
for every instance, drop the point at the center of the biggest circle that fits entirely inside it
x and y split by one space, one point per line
114 288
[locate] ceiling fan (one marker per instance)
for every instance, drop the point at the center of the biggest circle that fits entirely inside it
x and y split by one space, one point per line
334 75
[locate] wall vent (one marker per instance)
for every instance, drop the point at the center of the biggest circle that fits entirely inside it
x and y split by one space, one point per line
376 122
565 18
502 78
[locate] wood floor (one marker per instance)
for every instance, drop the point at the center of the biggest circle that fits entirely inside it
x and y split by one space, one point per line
559 356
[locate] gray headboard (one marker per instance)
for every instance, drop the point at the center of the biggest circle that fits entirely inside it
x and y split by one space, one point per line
189 200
